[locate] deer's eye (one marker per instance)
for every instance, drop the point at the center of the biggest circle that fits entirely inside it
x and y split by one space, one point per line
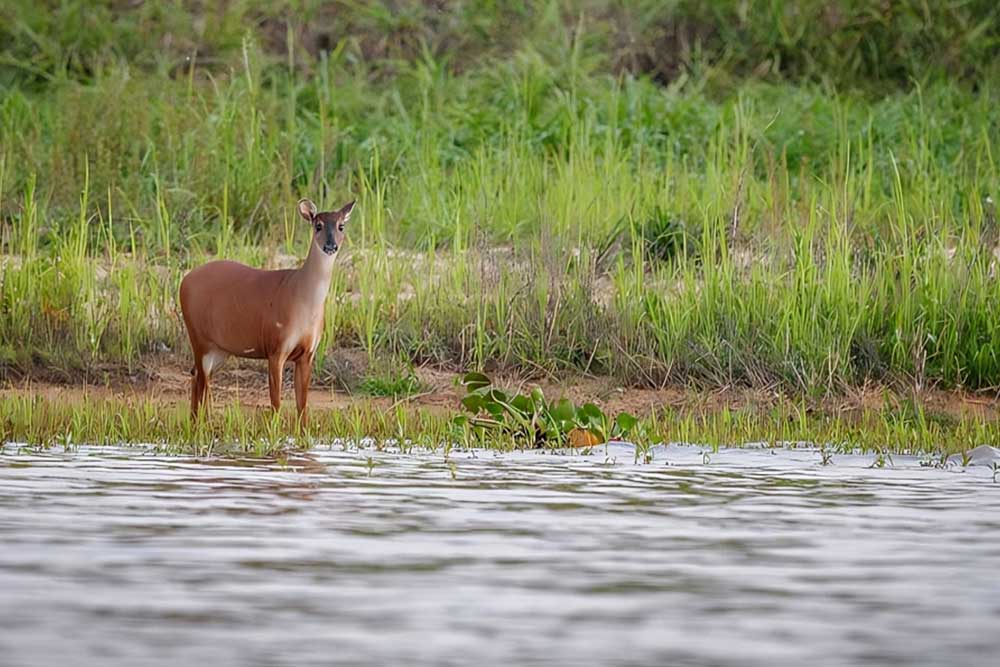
319 226
340 227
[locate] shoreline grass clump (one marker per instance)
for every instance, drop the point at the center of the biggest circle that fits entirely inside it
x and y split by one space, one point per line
226 430
233 429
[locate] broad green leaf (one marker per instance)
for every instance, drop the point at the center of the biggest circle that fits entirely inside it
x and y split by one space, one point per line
625 422
538 397
497 395
473 381
473 403
523 404
590 413
494 408
563 409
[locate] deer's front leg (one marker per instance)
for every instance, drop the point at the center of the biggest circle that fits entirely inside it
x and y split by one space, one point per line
303 371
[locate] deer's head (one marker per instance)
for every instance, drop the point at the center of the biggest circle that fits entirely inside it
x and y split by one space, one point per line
328 226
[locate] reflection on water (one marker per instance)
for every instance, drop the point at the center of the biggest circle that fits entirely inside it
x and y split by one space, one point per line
116 557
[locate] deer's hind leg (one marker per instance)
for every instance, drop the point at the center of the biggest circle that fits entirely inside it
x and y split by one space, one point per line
199 384
205 363
213 360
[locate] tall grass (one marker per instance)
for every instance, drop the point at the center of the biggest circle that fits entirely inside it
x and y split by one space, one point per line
852 42
531 212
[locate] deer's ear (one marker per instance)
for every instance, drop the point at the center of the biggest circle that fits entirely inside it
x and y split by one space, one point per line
307 209
344 213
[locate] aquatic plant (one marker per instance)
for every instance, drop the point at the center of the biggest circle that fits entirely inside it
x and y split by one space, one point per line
882 458
530 420
826 456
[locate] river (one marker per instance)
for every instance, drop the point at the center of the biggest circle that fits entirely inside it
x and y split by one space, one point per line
753 556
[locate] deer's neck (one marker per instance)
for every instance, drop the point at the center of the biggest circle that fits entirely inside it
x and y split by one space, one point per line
312 280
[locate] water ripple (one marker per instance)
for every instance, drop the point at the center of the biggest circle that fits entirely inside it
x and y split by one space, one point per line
340 556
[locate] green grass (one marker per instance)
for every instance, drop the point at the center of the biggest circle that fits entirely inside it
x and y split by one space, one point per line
819 240
229 429
854 42
391 379
234 429
784 211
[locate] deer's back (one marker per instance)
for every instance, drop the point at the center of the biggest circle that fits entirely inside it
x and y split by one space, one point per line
232 306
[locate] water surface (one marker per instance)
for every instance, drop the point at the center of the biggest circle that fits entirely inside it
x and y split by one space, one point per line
755 557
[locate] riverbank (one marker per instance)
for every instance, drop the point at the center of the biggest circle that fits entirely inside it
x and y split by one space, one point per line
152 407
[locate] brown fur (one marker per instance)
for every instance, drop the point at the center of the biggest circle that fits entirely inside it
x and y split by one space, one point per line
231 309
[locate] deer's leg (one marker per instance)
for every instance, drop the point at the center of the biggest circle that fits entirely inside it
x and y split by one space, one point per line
199 384
208 363
303 371
275 364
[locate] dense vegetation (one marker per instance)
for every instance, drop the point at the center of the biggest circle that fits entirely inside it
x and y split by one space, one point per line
797 194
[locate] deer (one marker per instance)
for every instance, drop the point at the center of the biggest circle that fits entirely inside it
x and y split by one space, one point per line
231 309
